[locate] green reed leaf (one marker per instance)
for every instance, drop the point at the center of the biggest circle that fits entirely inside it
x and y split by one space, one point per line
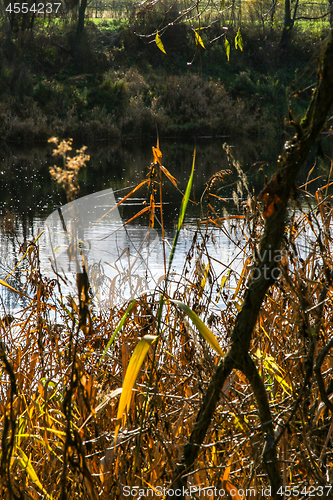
204 331
117 330
186 196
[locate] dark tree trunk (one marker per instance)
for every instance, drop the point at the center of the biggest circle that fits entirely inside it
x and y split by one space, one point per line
276 193
287 15
82 12
289 21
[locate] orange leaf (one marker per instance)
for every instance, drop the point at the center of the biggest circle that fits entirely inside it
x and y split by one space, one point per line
152 211
121 201
169 176
157 153
227 471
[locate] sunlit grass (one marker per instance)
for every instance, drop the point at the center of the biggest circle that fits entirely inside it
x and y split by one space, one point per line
63 370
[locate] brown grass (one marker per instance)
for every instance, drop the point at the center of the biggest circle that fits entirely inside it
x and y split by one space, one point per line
57 404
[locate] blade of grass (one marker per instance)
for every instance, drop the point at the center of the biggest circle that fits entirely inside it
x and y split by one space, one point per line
204 331
117 330
132 371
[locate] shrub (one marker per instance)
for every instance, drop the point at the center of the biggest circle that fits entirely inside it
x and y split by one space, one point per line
200 106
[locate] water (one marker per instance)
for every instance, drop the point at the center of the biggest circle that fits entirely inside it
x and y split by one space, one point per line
122 261
109 250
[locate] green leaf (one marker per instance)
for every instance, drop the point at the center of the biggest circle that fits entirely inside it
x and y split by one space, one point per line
181 217
132 371
198 40
26 464
159 43
119 327
204 331
186 197
239 40
227 48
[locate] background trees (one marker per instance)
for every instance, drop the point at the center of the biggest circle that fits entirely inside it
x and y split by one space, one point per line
262 13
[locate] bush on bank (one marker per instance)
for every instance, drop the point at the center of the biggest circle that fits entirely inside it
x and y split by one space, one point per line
116 85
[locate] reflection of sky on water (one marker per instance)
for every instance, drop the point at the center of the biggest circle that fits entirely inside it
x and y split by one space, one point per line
122 261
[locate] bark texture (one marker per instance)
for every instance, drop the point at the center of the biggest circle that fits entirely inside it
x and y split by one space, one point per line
275 198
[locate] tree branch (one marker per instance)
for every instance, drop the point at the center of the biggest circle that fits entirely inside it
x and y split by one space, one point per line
275 197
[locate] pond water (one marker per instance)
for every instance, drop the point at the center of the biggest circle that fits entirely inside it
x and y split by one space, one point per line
31 201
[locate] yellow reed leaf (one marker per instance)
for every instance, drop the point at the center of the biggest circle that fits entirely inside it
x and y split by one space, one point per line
159 43
223 283
242 276
239 40
204 331
203 282
263 329
227 48
3 283
285 386
26 464
132 371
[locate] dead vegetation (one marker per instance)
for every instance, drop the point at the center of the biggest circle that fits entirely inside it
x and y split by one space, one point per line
63 363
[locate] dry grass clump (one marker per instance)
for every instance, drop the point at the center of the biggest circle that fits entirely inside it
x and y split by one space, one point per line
59 380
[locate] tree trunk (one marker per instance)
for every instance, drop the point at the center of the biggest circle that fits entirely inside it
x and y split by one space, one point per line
275 197
289 22
82 12
287 15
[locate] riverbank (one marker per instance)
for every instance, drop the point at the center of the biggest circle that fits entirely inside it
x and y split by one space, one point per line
115 85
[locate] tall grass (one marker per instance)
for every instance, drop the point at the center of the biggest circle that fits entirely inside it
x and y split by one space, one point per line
61 380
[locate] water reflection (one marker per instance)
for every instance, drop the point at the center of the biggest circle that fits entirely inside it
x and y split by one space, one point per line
28 197
122 261
27 190
89 234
